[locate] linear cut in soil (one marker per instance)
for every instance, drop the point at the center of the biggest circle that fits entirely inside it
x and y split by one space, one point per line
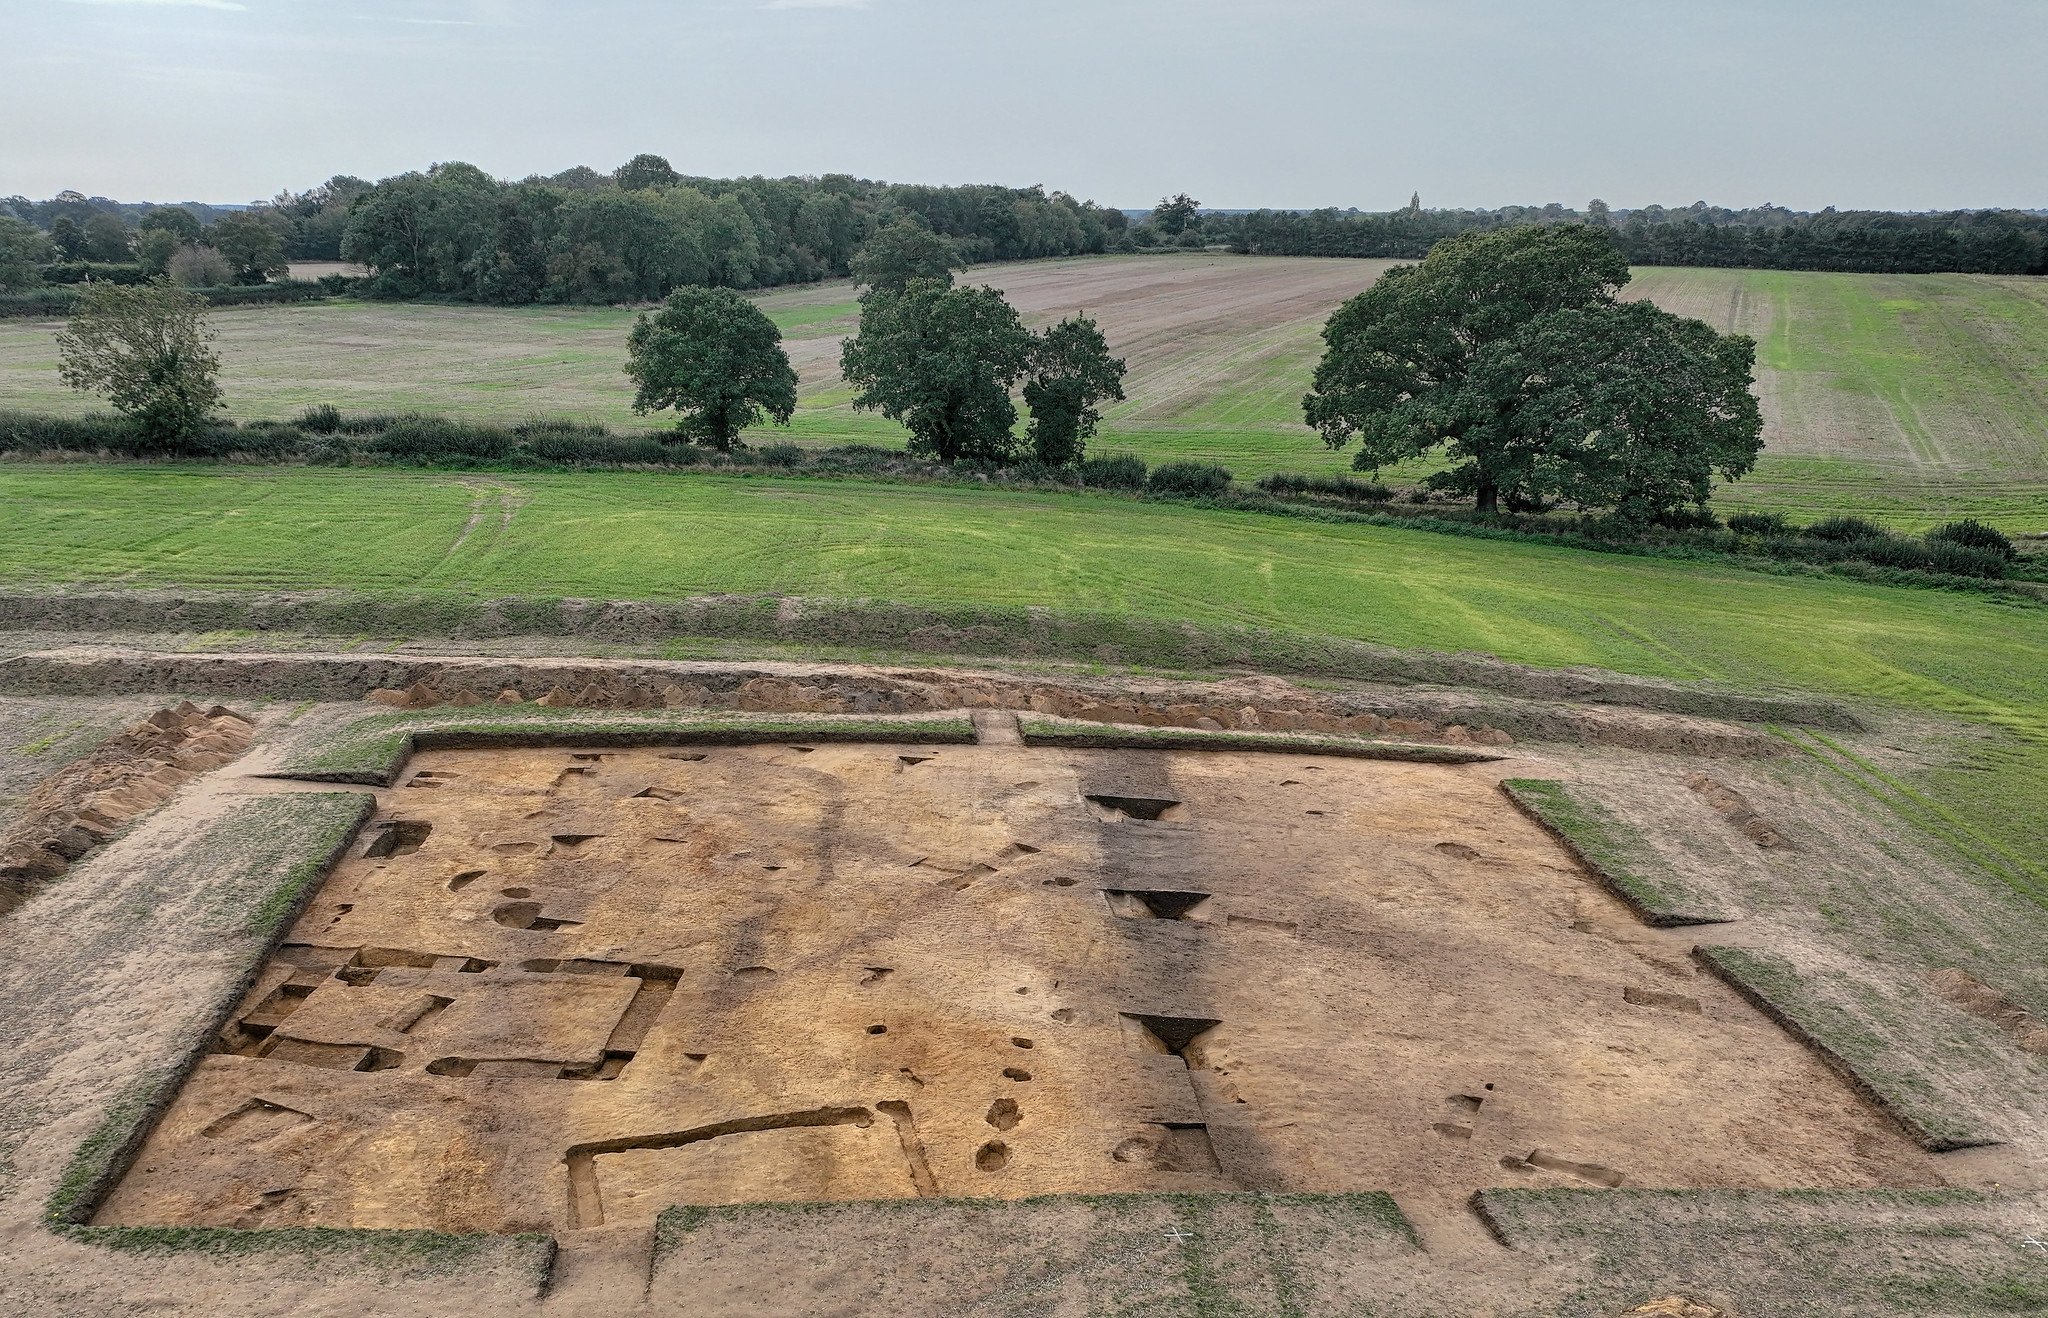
997 974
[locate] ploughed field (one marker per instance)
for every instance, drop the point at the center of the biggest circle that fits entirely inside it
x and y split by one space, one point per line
1980 660
1910 397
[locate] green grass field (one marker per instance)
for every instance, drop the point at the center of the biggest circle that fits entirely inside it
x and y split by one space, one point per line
1913 398
1980 660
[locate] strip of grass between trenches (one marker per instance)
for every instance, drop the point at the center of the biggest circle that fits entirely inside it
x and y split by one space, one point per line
372 750
1872 1253
1774 986
1609 849
1042 731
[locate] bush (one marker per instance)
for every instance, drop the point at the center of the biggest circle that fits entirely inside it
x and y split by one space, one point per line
252 295
779 455
325 419
197 266
30 432
576 444
1118 471
1973 534
1759 524
1334 486
1199 479
1845 528
98 272
39 304
425 438
266 441
1963 560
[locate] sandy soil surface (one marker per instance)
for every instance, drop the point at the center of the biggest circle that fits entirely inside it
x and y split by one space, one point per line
564 989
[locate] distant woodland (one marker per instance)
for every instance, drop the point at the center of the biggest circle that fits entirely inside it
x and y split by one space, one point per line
1999 242
637 232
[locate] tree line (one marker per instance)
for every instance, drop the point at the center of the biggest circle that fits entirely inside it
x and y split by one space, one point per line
2003 242
644 230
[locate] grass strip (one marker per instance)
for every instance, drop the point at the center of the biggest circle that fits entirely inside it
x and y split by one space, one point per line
1776 987
267 857
372 750
983 628
392 1253
1040 730
1872 1253
1609 849
1197 1254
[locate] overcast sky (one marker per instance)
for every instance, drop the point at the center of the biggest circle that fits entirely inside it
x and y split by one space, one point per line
1908 104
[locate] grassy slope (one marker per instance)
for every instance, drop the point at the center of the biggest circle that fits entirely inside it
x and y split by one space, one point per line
1980 659
1913 397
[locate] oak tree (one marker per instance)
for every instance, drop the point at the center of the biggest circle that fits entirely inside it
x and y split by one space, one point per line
717 360
1395 375
1072 373
942 361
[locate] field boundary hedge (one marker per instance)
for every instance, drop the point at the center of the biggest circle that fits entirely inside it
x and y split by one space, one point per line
55 300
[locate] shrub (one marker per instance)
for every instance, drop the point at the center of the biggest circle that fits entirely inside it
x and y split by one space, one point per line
1200 479
249 295
1117 471
266 441
425 438
549 425
96 272
577 444
779 455
1845 528
1973 534
1964 560
1335 486
40 303
325 419
1759 524
195 266
30 432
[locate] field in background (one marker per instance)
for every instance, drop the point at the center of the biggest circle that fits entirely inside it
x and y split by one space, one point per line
1911 397
1982 660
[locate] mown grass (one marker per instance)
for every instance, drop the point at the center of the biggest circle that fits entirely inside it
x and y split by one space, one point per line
1980 659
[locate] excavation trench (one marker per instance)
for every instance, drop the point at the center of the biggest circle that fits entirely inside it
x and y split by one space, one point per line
556 990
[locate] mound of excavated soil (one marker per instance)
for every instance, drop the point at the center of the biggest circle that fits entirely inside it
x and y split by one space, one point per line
86 802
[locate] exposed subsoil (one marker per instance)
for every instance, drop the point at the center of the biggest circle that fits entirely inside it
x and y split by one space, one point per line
558 990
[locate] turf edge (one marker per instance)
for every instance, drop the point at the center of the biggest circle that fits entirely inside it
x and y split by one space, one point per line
371 751
1043 731
1775 987
1600 842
